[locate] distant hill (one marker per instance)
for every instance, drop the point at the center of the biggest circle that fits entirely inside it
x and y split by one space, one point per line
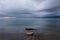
51 17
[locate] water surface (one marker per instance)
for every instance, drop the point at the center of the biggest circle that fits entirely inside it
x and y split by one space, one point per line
18 24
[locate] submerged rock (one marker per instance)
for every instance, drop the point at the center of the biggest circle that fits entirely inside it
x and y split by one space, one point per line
29 33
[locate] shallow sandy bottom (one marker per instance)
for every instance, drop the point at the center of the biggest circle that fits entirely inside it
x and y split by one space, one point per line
36 36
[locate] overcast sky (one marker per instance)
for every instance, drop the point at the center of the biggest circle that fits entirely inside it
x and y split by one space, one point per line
31 5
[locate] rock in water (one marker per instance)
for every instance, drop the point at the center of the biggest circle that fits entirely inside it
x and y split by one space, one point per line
29 29
29 33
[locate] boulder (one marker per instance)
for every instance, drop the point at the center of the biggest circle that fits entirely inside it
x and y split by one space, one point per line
29 29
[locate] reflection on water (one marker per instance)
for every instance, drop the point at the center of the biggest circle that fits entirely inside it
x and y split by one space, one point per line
14 25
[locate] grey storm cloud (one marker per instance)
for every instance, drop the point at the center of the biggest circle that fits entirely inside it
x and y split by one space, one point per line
48 4
7 6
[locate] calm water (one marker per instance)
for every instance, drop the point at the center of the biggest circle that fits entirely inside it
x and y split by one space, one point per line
18 25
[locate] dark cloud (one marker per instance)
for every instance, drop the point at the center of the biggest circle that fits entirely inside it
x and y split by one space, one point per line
32 8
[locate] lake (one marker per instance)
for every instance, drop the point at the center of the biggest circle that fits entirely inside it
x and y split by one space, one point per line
19 24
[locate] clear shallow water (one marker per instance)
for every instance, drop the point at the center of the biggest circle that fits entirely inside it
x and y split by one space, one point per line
18 25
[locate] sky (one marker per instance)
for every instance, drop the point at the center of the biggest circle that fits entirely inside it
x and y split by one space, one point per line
29 8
